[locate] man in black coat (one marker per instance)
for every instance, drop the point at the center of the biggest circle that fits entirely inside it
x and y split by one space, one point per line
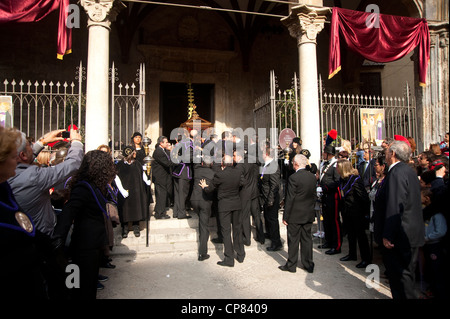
182 176
366 169
269 186
228 181
402 228
299 215
201 200
161 176
249 196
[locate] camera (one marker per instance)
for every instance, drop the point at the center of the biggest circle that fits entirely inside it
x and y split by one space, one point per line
66 134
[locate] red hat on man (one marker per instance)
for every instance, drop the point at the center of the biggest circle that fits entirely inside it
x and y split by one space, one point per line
401 138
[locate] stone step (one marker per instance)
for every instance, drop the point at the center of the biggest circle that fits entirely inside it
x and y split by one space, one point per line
169 235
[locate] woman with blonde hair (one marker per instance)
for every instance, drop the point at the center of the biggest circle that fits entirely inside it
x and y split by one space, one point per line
355 210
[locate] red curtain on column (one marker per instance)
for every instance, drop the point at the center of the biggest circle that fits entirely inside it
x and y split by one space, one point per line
36 10
388 39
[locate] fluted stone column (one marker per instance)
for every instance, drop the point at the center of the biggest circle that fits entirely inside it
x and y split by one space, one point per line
100 15
304 23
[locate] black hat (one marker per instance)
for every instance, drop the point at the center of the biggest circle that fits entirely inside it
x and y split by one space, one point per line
127 151
329 149
306 153
297 140
136 134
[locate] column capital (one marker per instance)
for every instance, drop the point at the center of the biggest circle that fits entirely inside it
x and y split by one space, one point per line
305 22
102 12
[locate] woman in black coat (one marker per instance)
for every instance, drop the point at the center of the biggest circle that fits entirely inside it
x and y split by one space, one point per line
355 208
86 209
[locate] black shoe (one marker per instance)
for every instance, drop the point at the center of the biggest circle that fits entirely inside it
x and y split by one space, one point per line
100 286
347 258
261 241
285 268
333 251
274 248
363 264
136 231
102 278
240 260
185 217
203 257
324 246
310 269
222 263
162 217
125 231
217 240
108 265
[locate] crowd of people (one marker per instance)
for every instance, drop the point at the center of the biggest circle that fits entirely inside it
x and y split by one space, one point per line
57 213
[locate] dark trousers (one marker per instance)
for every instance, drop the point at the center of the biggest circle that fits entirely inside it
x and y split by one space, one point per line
271 221
435 269
356 234
203 209
299 235
232 221
400 263
181 192
246 227
255 212
88 262
331 220
161 196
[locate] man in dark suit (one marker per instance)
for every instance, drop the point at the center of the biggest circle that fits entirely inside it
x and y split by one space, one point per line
161 176
402 228
182 176
366 169
269 186
299 215
249 194
201 200
227 181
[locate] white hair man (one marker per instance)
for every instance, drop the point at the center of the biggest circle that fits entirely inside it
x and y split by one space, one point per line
299 215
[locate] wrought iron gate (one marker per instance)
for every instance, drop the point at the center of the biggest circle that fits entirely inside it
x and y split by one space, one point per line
40 107
281 108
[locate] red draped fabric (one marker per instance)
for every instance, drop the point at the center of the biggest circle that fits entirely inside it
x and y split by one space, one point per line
36 10
384 40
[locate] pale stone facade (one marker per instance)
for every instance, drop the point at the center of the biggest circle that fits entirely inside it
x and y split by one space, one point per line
181 44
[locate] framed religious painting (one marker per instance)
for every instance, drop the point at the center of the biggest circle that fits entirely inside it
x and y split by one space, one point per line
6 109
372 125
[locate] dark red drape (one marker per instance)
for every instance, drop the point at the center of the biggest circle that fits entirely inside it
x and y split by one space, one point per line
390 40
35 10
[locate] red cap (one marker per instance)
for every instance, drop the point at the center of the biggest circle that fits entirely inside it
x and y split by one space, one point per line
401 138
437 164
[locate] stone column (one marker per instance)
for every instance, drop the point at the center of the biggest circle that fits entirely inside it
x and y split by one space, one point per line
433 100
100 15
304 23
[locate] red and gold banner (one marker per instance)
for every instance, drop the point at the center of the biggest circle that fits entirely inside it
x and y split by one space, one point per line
378 38
36 10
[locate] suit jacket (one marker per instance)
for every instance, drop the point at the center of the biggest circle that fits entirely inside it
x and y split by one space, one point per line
300 198
249 190
184 152
228 182
368 175
269 184
206 173
403 224
161 167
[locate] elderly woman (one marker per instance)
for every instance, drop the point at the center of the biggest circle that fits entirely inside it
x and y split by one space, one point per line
20 275
355 209
86 209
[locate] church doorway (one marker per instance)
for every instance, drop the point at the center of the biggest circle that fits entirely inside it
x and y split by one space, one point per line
174 104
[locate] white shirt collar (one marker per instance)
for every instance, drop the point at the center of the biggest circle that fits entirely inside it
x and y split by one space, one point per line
392 165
